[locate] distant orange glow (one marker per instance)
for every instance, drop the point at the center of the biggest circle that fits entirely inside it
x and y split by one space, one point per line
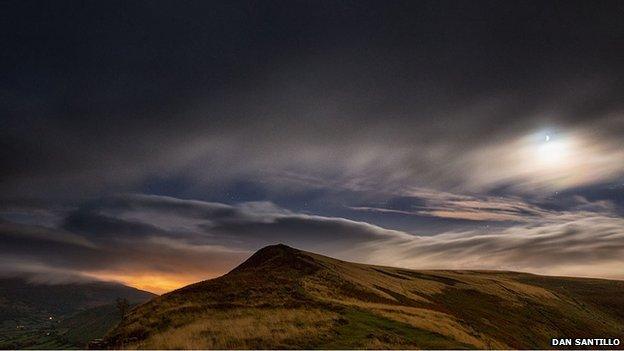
156 283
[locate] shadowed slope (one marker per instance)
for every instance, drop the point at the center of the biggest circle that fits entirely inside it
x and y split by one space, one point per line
286 298
59 315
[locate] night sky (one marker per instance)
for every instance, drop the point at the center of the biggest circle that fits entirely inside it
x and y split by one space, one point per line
161 143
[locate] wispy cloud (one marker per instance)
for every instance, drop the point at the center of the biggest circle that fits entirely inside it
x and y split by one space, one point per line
427 202
128 238
579 244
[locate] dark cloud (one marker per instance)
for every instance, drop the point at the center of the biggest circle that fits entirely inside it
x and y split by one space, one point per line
103 226
102 97
249 225
323 125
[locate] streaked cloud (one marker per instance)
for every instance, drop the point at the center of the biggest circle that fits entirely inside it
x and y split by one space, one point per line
126 238
579 244
428 202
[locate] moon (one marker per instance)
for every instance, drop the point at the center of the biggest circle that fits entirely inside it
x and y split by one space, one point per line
547 138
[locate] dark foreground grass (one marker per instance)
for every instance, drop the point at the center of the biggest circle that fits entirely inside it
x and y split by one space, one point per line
361 329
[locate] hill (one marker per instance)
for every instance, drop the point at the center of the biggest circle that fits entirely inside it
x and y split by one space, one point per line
286 298
60 315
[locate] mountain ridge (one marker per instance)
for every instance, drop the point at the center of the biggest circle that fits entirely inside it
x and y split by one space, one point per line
306 300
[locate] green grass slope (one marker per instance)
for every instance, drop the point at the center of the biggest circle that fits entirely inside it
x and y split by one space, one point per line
289 299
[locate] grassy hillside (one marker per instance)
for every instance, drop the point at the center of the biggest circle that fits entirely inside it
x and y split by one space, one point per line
285 298
59 316
85 326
